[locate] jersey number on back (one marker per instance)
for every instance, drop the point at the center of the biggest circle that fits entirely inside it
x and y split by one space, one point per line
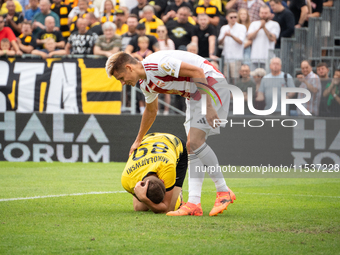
155 150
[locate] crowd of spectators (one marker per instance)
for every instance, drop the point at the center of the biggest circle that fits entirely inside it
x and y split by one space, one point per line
242 31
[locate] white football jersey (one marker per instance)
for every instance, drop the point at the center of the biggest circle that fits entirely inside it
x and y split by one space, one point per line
162 74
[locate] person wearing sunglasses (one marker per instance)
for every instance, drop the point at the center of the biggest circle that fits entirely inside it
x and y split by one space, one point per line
232 38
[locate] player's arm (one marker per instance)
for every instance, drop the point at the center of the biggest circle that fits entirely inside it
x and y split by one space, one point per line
162 207
148 119
198 77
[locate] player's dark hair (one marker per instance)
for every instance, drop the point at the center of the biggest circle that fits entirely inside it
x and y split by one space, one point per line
337 70
156 189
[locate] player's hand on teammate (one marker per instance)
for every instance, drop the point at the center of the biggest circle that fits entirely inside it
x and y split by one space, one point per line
140 190
134 146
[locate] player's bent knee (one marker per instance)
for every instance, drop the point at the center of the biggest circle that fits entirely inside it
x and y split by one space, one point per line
195 144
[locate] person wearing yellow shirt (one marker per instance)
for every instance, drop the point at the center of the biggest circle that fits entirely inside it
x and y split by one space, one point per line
155 172
3 10
151 21
122 27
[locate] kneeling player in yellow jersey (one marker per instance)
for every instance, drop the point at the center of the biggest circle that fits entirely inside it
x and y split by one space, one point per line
155 172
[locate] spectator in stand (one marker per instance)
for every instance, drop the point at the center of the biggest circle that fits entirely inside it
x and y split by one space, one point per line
253 7
332 94
264 34
26 41
232 37
322 71
257 75
25 5
180 30
108 12
79 12
285 18
122 27
138 10
94 25
192 47
244 83
311 81
109 43
205 37
159 6
220 4
39 18
151 21
34 9
143 44
5 48
6 32
79 42
276 79
13 19
133 45
165 43
244 19
132 23
210 10
300 10
171 10
317 7
49 32
48 49
62 10
3 10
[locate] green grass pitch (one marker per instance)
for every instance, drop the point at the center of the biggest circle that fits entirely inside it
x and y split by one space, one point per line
270 216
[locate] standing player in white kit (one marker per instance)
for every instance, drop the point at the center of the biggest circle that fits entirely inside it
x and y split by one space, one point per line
191 76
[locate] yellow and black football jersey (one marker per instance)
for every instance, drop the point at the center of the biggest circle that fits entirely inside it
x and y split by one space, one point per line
162 154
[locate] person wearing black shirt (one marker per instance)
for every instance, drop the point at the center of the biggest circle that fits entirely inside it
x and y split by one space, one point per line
285 18
13 19
133 45
62 10
95 26
49 32
79 42
317 7
300 11
180 30
26 41
171 10
204 37
138 10
132 23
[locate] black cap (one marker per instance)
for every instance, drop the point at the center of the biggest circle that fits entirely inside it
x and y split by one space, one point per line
140 26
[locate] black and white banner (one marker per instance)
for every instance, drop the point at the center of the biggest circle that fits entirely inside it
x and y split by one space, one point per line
104 138
58 86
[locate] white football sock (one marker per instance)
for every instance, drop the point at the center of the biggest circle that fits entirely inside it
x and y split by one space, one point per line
196 179
208 158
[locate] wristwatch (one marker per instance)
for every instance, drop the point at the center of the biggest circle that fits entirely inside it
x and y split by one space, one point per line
335 95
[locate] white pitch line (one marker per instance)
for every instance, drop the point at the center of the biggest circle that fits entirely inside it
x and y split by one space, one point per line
62 195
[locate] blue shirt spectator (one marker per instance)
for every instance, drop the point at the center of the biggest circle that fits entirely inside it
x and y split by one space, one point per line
29 14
